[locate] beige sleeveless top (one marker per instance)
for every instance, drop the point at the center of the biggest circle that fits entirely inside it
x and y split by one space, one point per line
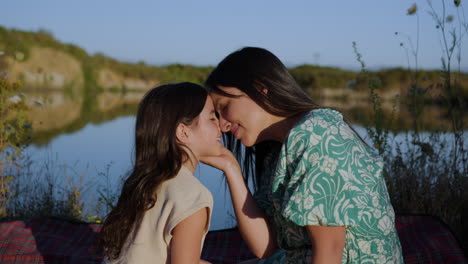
177 199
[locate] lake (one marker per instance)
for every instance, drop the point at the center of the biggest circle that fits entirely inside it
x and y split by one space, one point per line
90 146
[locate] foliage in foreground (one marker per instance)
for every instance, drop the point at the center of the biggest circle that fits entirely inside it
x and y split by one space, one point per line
13 134
426 172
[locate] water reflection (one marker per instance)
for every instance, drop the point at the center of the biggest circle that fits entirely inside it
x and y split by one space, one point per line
100 155
53 113
92 134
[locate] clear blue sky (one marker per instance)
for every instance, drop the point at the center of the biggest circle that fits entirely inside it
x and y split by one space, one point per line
203 32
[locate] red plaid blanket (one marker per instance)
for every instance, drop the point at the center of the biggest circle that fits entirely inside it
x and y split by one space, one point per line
424 239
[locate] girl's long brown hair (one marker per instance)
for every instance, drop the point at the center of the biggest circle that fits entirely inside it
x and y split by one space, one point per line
158 158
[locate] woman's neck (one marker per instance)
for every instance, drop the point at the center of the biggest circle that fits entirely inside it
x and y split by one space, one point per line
280 127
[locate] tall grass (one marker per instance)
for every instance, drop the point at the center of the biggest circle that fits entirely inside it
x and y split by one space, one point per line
48 188
427 172
29 189
45 191
13 133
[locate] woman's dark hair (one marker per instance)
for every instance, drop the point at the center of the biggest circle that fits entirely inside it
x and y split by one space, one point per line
158 157
252 70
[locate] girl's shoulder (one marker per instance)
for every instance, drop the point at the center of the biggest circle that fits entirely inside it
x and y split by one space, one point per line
185 186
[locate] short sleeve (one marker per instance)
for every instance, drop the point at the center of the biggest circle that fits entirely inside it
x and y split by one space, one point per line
319 162
186 199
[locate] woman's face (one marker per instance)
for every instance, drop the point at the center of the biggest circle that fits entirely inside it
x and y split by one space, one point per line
205 135
241 115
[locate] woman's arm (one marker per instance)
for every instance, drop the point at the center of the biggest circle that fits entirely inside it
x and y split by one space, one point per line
187 238
252 221
327 243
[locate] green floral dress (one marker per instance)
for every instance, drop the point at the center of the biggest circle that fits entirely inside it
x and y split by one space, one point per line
323 174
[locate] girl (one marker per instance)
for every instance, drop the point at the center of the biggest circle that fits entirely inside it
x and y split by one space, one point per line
319 191
163 212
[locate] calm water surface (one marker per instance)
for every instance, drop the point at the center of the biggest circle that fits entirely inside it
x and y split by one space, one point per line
89 142
98 156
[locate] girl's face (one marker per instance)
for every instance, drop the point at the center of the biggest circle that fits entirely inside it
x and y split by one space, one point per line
205 135
242 116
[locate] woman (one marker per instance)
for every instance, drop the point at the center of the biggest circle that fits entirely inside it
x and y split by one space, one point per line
163 212
319 191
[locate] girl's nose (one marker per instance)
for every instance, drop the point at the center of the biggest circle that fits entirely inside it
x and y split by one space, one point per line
219 127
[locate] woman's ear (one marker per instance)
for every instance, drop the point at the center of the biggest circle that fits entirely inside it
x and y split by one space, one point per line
261 87
182 133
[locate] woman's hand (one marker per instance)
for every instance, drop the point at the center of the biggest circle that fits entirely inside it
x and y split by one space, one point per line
225 161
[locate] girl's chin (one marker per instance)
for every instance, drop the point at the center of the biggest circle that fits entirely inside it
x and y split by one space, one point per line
215 151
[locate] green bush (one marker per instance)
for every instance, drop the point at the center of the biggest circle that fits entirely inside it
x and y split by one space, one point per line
14 134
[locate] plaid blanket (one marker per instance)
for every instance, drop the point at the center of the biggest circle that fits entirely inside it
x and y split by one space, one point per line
424 239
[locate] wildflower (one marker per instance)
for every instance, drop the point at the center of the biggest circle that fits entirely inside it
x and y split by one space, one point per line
15 99
457 2
412 10
449 18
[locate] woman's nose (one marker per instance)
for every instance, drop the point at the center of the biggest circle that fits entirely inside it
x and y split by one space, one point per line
224 125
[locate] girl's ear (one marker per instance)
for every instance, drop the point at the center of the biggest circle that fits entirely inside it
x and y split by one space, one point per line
182 133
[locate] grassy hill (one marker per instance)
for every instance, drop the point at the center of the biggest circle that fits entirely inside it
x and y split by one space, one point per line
18 45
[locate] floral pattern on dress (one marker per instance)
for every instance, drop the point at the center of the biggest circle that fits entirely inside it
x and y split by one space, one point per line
323 174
